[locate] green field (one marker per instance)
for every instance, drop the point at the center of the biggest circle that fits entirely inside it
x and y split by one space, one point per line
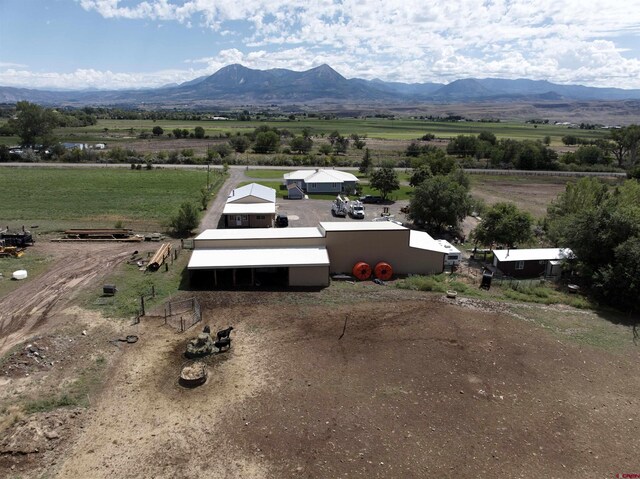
55 198
110 131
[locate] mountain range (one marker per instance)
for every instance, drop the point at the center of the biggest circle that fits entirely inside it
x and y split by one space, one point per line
238 85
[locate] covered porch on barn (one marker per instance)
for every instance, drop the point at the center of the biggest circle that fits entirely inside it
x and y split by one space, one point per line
263 267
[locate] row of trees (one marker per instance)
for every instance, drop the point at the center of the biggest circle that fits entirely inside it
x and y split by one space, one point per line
601 224
621 146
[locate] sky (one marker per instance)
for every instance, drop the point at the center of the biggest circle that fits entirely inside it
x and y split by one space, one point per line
115 44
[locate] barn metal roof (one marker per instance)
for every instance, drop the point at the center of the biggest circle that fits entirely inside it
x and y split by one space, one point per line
259 233
260 192
536 254
221 258
361 226
422 240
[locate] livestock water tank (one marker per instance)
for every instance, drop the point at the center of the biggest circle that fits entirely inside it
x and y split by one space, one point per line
362 270
20 274
383 271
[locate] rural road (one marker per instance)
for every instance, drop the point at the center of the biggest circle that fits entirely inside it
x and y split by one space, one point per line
346 168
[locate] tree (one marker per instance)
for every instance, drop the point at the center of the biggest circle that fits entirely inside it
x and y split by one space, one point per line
266 142
505 224
385 180
420 174
626 142
301 144
589 155
177 132
488 137
603 230
439 202
33 124
325 149
186 220
240 143
157 131
358 142
463 145
341 144
198 132
365 164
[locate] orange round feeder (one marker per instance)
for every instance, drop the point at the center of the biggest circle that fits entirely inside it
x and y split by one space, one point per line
383 271
362 271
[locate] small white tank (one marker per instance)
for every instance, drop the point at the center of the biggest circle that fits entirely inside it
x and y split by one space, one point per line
20 274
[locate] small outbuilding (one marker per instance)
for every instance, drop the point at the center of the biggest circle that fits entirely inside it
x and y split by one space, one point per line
531 263
250 206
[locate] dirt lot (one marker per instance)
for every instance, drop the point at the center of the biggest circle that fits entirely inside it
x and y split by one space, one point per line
417 387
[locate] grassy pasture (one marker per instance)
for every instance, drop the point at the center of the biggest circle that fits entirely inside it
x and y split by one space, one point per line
56 198
111 131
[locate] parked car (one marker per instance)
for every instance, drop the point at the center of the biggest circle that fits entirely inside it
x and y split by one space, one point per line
282 220
371 199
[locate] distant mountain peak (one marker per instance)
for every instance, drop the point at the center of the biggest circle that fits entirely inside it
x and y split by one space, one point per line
237 84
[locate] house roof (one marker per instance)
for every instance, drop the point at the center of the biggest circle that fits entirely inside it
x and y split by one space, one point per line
249 209
260 233
260 192
320 176
258 257
422 240
536 254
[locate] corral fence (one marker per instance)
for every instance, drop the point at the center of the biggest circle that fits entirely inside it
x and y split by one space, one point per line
182 314
482 171
517 284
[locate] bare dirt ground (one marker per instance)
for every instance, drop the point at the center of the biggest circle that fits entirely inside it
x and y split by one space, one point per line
44 299
417 387
530 195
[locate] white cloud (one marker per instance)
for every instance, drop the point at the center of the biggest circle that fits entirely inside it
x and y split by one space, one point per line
12 65
569 41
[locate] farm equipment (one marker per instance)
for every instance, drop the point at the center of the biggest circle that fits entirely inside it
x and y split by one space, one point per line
19 239
11 251
340 206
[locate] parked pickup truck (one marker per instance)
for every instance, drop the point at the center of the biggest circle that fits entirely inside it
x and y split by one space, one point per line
356 210
371 199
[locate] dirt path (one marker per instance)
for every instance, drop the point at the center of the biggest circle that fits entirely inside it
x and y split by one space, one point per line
214 212
41 300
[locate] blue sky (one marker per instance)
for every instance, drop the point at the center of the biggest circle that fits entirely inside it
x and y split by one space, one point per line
148 43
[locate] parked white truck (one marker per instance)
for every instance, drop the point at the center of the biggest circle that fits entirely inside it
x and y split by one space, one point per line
356 210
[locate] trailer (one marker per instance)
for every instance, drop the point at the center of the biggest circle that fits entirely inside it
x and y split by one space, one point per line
18 239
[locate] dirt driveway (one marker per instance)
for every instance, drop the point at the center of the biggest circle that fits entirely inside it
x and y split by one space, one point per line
44 299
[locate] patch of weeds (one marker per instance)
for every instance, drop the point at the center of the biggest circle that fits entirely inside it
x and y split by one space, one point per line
76 393
50 403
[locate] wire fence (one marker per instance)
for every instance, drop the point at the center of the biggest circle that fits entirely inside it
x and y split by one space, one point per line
182 314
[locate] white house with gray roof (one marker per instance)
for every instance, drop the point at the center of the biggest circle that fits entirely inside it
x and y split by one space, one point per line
322 181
